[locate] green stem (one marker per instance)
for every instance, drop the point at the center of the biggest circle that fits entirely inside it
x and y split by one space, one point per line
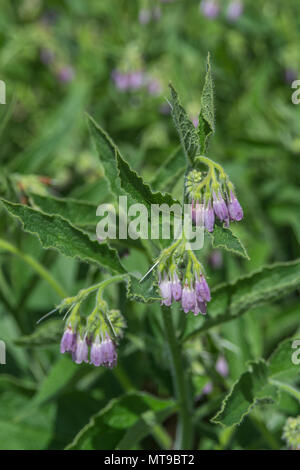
181 385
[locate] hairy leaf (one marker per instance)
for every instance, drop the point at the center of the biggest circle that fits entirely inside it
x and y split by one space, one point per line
122 179
76 212
259 383
206 125
185 128
123 422
253 385
224 238
55 232
144 292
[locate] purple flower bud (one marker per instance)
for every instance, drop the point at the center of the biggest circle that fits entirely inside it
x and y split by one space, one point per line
103 353
65 74
121 80
209 217
109 352
176 287
81 352
209 8
202 289
68 341
166 291
202 307
135 80
195 120
290 75
144 16
188 298
235 9
198 213
216 259
234 208
220 207
207 389
222 366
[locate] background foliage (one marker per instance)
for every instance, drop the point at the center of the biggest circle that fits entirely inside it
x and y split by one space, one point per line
57 59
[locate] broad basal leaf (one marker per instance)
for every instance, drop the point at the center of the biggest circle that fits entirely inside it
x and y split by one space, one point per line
55 232
231 300
185 128
253 385
225 239
123 423
260 383
206 125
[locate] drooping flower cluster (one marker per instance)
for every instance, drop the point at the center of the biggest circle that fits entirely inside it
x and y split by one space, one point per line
93 340
187 286
102 349
211 9
212 198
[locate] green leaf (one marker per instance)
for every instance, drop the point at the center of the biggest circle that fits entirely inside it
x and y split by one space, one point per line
260 383
46 334
252 386
224 238
185 128
281 366
123 423
206 125
55 232
76 212
144 292
122 179
231 300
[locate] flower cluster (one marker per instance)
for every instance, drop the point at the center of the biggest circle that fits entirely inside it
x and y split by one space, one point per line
291 433
92 339
211 9
212 197
146 15
187 286
135 80
102 348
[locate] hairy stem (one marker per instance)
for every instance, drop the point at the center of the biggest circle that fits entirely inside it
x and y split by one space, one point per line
181 385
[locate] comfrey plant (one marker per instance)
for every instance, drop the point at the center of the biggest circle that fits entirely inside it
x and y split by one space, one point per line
176 281
92 339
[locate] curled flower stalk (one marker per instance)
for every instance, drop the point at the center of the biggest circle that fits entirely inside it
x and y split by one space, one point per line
92 339
212 196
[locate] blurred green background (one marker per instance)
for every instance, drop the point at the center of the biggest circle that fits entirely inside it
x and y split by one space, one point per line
114 59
